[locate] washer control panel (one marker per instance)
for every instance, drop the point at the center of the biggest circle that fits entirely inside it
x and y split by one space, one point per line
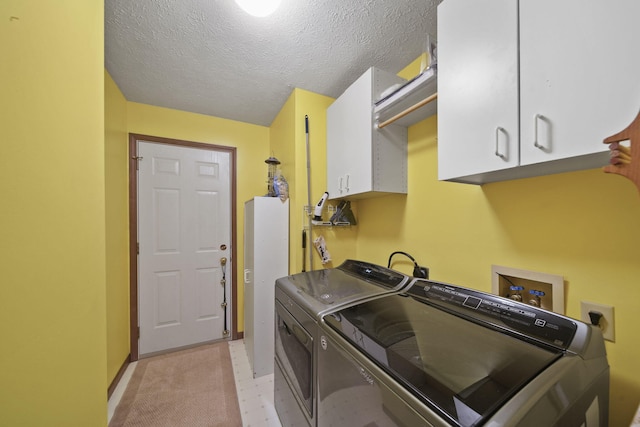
500 312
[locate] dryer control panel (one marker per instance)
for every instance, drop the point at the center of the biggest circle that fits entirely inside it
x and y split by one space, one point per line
384 277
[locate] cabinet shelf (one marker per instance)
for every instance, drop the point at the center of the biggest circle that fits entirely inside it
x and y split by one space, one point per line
410 103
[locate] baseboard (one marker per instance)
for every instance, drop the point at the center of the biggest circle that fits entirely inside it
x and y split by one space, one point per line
118 376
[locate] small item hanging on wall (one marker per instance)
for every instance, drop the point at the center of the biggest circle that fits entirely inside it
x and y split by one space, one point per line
271 173
625 160
321 246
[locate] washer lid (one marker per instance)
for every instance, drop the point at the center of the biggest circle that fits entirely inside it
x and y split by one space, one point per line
462 369
321 290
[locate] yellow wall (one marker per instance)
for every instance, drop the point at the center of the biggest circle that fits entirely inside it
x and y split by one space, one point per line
580 225
117 226
289 145
252 149
52 218
282 137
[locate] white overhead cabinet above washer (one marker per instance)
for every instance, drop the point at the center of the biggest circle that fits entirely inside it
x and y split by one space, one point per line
362 160
533 87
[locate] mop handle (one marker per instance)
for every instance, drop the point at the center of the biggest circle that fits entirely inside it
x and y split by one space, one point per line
306 131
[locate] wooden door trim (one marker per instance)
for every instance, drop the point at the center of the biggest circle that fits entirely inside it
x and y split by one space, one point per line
133 230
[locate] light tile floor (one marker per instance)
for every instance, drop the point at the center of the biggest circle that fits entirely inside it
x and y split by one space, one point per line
255 396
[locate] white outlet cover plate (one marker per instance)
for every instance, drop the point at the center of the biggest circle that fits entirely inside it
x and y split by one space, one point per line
607 323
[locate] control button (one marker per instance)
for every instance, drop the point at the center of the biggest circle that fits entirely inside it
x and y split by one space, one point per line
541 322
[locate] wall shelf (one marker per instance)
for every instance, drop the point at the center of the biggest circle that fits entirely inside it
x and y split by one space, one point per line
308 212
410 103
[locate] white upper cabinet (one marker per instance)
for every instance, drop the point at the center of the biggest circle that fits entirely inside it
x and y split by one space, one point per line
576 84
579 75
477 87
363 161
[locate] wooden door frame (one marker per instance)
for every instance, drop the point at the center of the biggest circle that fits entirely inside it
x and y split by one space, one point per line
133 230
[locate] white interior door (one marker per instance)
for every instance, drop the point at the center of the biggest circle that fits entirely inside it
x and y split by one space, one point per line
184 230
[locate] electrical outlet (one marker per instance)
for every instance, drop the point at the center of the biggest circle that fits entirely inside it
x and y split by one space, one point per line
607 320
422 272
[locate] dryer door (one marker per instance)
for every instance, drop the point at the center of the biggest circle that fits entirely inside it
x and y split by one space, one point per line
294 353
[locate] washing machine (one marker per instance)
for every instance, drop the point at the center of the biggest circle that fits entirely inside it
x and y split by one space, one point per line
444 355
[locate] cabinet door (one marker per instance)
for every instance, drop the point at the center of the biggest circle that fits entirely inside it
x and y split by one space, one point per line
266 259
477 87
249 296
349 133
578 75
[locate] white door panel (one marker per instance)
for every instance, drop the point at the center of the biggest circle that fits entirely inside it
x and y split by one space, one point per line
478 101
578 74
184 215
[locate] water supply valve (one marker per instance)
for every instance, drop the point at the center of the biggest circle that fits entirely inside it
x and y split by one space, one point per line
535 299
515 295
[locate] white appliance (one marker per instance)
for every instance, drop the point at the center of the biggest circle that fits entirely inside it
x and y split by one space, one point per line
266 258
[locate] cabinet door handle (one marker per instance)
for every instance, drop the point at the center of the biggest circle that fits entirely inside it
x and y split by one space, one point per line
340 187
498 153
536 119
347 186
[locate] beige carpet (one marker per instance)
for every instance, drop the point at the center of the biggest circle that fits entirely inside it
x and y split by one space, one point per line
193 387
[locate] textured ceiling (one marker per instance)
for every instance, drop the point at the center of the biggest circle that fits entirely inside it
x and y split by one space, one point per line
210 57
